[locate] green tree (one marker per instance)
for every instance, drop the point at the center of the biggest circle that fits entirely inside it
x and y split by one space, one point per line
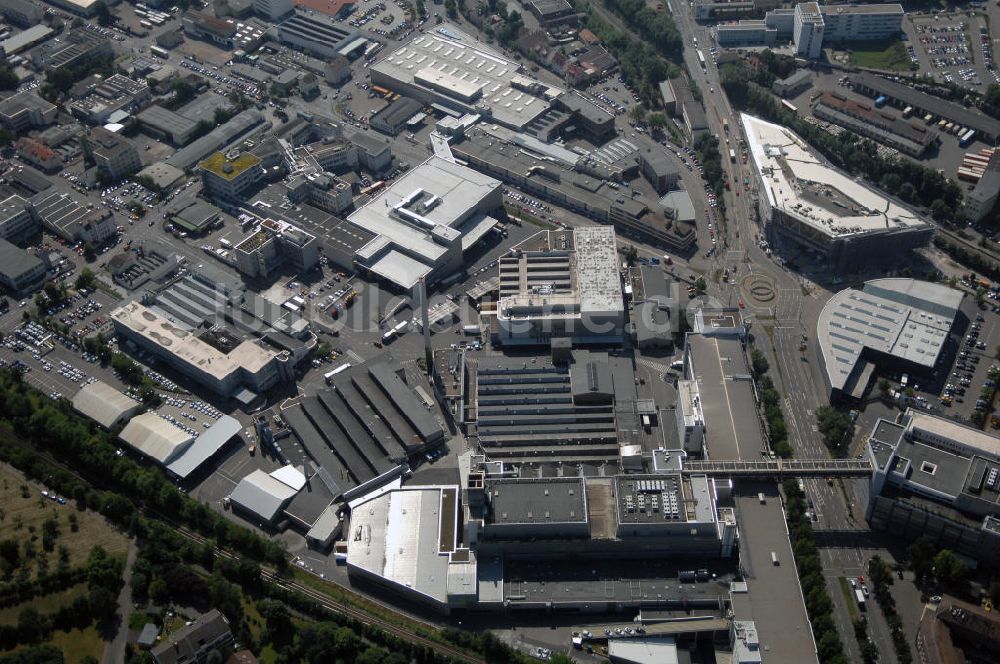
89 252
700 286
834 425
758 362
103 14
85 279
950 569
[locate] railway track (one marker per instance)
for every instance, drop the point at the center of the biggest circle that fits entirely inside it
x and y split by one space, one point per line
320 598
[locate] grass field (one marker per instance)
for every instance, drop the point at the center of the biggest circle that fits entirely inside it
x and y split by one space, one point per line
852 606
889 55
44 604
23 510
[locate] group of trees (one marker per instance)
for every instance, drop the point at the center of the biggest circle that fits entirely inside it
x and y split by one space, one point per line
103 574
881 579
818 603
62 79
641 66
902 177
968 257
710 156
770 401
834 425
655 27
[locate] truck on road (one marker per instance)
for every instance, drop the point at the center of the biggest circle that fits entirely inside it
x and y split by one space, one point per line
859 595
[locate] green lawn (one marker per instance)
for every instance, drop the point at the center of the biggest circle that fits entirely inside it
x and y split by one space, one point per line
79 643
889 55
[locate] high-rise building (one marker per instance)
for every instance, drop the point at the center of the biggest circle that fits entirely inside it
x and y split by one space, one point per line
273 9
808 30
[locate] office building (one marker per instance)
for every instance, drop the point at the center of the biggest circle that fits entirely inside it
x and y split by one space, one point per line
983 198
727 10
397 115
449 68
320 33
821 208
275 244
808 30
861 22
561 284
938 479
217 139
884 126
63 216
425 221
656 311
661 172
26 110
214 360
896 325
273 10
114 156
567 179
747 32
16 222
230 177
21 272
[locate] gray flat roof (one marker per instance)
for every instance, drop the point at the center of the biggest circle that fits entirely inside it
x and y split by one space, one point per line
405 400
903 318
928 103
15 261
542 501
166 120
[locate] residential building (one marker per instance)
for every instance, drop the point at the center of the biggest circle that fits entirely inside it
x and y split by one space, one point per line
16 222
21 272
551 288
114 155
194 642
230 177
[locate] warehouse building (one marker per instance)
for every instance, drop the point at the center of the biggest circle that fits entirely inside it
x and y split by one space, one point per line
811 203
425 222
63 216
165 123
936 478
397 115
448 68
361 431
104 404
909 137
262 496
900 96
319 33
898 325
561 284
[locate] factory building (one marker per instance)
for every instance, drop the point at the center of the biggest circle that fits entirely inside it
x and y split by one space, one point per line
561 284
897 325
425 221
809 202
319 33
938 479
451 70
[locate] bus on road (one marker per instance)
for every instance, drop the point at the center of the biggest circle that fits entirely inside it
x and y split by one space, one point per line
701 59
159 52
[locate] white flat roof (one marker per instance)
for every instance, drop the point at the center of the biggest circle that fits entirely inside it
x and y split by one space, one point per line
187 347
597 277
803 186
470 65
395 536
950 430
155 437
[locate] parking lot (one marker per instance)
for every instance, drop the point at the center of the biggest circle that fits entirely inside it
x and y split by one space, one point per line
954 48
